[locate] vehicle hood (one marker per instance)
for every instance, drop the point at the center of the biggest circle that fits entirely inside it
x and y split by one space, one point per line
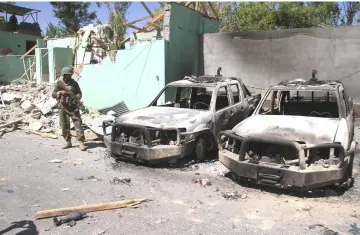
164 117
311 130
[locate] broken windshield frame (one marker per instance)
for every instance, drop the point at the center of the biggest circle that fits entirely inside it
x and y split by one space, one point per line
294 102
186 97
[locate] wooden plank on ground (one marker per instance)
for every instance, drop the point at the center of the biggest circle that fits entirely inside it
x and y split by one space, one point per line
88 208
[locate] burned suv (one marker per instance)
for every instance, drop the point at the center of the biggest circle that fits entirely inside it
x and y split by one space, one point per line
183 119
300 136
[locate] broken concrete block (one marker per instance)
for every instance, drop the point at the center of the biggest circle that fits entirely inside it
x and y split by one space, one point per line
46 106
10 97
59 132
27 106
35 125
111 113
36 113
90 135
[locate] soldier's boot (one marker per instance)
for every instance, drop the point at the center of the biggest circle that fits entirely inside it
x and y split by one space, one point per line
82 146
67 145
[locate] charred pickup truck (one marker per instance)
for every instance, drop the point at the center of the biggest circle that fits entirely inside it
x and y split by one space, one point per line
300 136
182 120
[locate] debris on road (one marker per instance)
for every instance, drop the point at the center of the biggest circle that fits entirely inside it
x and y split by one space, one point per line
89 208
205 182
322 229
117 180
44 135
71 218
101 232
233 195
55 161
33 106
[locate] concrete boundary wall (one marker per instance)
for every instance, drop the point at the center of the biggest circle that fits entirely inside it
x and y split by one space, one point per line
265 58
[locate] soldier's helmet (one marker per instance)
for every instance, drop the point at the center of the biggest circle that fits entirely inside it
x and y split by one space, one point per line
66 70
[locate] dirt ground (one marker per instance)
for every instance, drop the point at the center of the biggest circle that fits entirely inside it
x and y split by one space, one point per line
180 205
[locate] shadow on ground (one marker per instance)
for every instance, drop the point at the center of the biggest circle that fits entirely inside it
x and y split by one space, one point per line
93 144
184 164
28 226
329 191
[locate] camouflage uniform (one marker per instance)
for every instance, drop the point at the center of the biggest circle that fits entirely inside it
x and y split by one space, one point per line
67 111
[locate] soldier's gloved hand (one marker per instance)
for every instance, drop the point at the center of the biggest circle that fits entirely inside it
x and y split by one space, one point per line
61 92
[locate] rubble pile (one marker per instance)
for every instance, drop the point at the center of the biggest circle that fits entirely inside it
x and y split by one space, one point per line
30 107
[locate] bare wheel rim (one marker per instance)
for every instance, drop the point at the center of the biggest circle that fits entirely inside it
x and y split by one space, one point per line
200 149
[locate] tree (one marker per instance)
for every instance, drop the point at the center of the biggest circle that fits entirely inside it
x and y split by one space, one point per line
250 16
117 19
55 31
350 13
73 15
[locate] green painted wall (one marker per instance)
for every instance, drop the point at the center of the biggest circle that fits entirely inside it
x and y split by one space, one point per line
69 42
183 48
42 65
135 78
58 58
12 67
15 41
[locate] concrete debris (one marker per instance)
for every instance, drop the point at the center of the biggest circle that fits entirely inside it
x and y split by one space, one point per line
233 195
205 182
95 124
117 180
111 113
35 125
55 161
322 229
20 100
10 97
27 106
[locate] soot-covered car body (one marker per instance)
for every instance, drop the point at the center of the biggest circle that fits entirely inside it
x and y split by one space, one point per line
300 136
196 109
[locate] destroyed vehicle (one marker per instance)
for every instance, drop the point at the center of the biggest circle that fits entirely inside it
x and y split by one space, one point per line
299 136
182 120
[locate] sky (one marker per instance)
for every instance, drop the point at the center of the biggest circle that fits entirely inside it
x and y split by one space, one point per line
46 15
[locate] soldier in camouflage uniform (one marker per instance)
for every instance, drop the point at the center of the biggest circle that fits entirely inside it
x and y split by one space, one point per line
68 109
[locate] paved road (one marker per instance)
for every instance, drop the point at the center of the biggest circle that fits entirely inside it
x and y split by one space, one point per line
28 183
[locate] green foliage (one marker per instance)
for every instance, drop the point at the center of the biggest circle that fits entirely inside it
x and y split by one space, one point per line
159 8
73 15
55 31
350 13
252 16
117 19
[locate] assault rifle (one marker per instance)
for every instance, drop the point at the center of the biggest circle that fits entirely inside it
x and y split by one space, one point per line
71 99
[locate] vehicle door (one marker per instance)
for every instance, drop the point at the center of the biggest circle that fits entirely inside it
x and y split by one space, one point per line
239 106
223 108
349 114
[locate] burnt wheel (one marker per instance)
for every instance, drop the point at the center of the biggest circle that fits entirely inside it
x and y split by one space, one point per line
348 180
200 149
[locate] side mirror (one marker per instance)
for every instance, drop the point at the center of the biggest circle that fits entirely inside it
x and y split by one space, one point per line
351 102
